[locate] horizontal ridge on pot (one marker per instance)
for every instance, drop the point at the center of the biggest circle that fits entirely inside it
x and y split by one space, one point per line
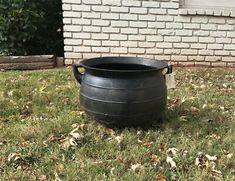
123 91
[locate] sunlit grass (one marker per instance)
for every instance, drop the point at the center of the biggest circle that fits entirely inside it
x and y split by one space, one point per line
39 109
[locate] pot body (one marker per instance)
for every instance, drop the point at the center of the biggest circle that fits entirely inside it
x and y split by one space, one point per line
123 98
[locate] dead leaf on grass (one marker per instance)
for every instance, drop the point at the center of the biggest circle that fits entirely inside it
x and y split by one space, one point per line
160 178
136 166
156 160
171 162
172 151
216 175
73 139
211 158
42 178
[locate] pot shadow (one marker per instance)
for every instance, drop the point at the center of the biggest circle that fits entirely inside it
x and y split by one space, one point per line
184 116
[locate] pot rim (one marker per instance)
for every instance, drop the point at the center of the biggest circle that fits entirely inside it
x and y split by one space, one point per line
155 65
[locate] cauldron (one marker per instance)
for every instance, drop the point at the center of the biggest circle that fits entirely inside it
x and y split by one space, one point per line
123 91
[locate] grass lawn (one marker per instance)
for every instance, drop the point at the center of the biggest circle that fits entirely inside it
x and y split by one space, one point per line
44 134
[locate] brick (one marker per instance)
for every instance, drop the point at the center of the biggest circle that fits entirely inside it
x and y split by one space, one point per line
191 26
148 31
147 17
226 13
206 52
138 10
225 27
68 48
138 24
222 52
192 11
218 33
136 37
150 4
183 19
110 30
232 53
198 46
154 51
174 25
172 39
67 35
131 3
81 21
162 57
66 7
232 14
129 44
196 58
158 25
100 8
72 28
146 56
110 43
206 39
118 37
165 18
183 11
228 59
189 39
179 58
81 8
230 21
203 19
158 11
201 33
217 13
119 23
90 55
72 41
208 27
91 42
172 11
146 44
170 5
102 23
136 50
91 15
70 14
215 46
218 64
164 45
81 49
100 49
82 35
129 31
213 58
128 17
231 34
171 51
92 29
91 2
201 12
111 16
209 12
68 61
100 36
112 2
69 55
154 38
181 45
223 40
218 20
166 32
184 32
67 21
72 1
120 9
229 47
189 52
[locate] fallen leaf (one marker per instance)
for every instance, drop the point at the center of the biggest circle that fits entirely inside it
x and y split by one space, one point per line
216 175
172 151
13 157
136 166
156 160
170 161
60 169
194 110
229 156
162 147
42 178
119 139
211 158
160 178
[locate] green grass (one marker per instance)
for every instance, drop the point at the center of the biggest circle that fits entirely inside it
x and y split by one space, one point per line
39 109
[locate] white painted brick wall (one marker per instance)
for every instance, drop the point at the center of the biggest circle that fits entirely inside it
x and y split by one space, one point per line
154 29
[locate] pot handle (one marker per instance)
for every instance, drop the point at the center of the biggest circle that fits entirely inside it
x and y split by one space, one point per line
169 69
78 75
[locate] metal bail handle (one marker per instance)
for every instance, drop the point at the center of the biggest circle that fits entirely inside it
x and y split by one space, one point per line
169 69
78 75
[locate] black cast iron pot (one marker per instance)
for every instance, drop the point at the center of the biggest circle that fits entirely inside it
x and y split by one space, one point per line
123 91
